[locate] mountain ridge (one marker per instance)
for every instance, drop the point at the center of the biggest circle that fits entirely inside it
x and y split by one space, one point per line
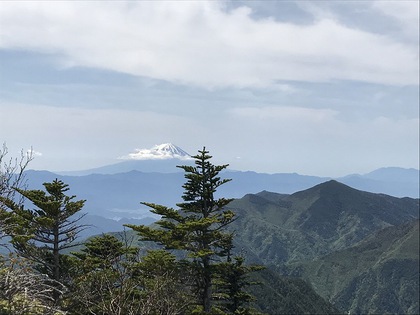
166 157
358 250
306 224
119 195
400 182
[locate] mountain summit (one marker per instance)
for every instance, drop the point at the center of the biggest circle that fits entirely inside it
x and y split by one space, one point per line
163 151
162 158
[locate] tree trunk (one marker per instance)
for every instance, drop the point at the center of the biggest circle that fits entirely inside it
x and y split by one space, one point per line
56 257
207 285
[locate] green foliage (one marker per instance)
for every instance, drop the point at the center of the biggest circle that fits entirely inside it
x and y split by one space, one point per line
42 233
102 278
104 251
198 228
162 283
111 278
287 295
232 281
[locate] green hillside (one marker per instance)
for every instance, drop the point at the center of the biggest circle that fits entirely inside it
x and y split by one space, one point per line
331 216
288 295
358 250
378 275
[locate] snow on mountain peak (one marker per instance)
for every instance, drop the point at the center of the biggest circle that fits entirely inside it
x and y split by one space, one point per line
163 151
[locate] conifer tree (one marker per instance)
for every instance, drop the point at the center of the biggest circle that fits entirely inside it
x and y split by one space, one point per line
41 234
198 227
232 282
103 281
163 284
111 278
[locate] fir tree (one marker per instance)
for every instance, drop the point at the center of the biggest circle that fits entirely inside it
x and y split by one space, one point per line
111 278
198 227
162 281
232 282
103 281
41 234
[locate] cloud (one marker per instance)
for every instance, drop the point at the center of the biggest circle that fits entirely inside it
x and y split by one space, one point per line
145 154
32 153
199 43
284 114
164 151
310 141
405 13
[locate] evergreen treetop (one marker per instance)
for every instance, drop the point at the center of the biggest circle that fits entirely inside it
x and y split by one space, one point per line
199 228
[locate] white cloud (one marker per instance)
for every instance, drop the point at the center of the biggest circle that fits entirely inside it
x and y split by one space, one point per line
164 151
32 153
199 43
145 154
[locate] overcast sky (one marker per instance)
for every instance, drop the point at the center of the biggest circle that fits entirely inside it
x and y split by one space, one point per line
319 88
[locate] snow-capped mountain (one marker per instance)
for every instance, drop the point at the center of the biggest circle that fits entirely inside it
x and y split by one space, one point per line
162 158
158 152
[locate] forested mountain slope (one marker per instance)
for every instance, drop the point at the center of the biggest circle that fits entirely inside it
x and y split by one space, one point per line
315 222
358 250
378 275
288 295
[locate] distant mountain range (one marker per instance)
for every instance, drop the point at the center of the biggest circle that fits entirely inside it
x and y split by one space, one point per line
119 195
162 158
165 158
394 181
114 192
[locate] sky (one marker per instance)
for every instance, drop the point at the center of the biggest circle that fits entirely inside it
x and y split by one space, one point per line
324 88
